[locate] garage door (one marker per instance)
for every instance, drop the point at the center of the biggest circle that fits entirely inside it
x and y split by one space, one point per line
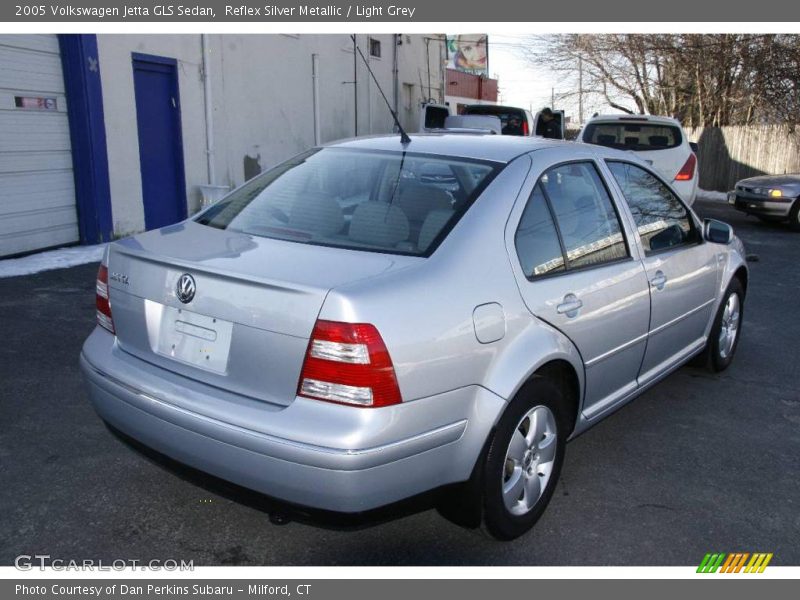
37 190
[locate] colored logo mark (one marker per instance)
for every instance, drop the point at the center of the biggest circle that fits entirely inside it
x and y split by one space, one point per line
735 562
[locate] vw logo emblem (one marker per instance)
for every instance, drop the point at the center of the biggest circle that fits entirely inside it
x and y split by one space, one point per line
186 288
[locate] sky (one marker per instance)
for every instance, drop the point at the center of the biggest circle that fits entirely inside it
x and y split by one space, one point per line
521 84
524 85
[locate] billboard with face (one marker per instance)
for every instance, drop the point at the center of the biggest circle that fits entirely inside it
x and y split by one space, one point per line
469 53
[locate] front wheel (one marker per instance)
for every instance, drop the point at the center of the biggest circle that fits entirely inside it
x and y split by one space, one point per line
524 460
794 216
725 333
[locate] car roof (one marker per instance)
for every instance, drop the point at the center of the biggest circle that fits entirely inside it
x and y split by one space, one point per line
498 107
496 148
634 118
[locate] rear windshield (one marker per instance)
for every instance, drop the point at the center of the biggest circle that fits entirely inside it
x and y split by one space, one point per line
633 136
512 119
396 202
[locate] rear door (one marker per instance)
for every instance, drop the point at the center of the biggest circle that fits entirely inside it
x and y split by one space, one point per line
577 272
560 119
433 116
681 269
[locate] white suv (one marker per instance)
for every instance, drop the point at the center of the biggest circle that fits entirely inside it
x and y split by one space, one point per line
660 141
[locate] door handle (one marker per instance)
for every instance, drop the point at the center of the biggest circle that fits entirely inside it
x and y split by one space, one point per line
659 280
569 306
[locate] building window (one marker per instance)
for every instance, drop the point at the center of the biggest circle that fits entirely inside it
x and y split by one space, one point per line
408 96
374 47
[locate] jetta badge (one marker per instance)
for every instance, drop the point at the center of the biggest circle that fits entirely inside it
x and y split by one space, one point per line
186 288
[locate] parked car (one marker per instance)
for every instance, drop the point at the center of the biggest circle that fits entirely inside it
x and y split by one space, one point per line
513 121
341 332
769 197
659 141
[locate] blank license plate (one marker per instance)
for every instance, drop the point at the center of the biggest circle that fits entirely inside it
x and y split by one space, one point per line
189 337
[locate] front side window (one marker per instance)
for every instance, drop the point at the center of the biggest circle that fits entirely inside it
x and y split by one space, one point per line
394 202
569 223
662 220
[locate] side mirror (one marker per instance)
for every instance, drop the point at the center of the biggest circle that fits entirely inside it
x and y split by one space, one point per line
695 148
717 231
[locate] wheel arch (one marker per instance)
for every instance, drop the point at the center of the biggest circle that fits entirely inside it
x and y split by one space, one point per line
742 275
540 351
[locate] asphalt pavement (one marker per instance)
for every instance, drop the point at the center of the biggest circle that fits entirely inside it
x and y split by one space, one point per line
700 463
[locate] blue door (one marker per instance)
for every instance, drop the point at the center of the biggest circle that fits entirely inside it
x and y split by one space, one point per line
158 118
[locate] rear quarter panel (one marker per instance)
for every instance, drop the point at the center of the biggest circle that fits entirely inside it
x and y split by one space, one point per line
425 313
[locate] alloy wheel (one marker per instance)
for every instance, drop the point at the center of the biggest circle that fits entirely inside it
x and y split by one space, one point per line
529 460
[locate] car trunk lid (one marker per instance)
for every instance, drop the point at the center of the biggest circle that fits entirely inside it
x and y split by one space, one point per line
254 305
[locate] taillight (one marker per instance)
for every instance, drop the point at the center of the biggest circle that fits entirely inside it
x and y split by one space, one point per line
687 170
103 312
525 129
348 363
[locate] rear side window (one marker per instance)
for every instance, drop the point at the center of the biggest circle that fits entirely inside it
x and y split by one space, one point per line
572 213
394 202
536 239
662 220
633 136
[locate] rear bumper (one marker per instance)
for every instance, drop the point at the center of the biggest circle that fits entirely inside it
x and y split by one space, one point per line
762 206
311 453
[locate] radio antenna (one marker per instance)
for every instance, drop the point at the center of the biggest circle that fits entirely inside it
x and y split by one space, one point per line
404 139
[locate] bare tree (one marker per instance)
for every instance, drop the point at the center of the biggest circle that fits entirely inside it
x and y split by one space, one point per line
699 79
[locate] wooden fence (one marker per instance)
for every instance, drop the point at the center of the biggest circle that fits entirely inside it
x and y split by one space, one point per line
728 154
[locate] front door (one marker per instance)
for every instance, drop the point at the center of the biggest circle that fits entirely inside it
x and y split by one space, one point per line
158 119
681 269
581 277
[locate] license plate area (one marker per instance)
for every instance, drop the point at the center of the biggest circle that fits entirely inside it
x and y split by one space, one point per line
191 338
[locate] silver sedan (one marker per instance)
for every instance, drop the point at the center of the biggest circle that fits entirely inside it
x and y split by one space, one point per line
769 197
344 331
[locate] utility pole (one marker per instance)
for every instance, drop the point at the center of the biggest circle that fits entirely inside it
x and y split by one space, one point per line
580 90
552 97
428 62
355 85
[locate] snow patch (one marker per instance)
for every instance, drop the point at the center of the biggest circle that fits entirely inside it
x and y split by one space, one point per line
712 196
60 258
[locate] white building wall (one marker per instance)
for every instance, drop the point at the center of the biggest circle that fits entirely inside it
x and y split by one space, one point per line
262 101
119 107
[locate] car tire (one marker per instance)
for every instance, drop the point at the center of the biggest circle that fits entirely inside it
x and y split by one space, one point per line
794 216
727 329
524 460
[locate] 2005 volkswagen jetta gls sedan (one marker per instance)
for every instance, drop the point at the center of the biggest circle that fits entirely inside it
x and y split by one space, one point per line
344 331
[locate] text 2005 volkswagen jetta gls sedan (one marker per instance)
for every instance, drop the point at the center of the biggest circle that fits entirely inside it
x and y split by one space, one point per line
345 331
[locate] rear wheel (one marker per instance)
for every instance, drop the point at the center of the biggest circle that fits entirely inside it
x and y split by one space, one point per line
524 460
